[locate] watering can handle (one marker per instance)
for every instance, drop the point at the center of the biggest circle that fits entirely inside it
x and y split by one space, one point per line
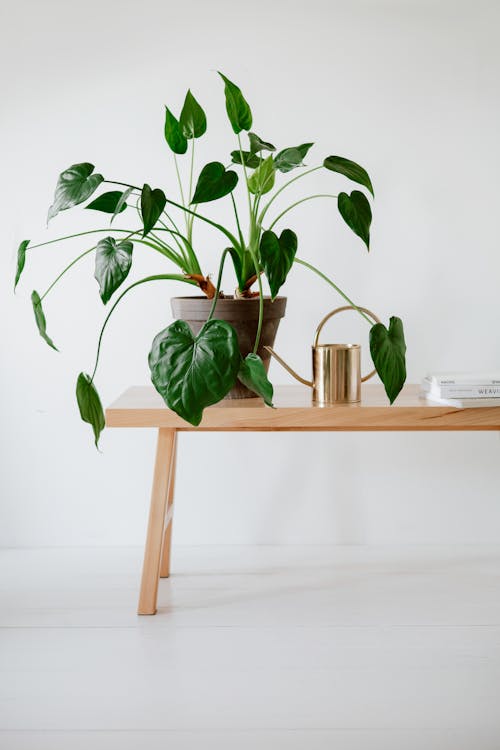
343 309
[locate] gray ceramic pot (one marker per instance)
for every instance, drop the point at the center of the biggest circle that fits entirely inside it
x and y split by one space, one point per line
243 314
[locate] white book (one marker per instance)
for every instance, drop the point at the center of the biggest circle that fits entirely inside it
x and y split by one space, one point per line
460 391
461 403
465 378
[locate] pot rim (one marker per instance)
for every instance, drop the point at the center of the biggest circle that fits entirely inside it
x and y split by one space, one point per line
229 298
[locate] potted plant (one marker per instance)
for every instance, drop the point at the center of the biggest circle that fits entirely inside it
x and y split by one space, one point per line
215 348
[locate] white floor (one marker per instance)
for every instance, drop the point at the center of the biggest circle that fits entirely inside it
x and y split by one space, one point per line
282 648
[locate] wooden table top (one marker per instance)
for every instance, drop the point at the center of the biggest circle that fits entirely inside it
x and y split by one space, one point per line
142 406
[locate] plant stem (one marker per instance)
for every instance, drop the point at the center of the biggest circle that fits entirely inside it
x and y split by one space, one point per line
181 258
228 234
297 203
171 221
294 179
174 234
332 284
194 266
181 191
80 234
261 305
86 252
240 233
253 237
167 252
168 276
246 176
190 264
190 260
163 244
222 229
79 257
123 184
191 222
191 172
219 280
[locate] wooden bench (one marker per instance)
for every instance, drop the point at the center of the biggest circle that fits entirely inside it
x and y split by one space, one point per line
143 407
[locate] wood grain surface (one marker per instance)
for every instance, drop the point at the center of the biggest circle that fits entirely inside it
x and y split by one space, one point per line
142 406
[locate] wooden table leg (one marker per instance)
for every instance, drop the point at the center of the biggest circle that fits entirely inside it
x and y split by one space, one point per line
165 451
169 518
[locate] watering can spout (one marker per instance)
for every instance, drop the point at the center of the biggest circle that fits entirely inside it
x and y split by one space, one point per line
282 362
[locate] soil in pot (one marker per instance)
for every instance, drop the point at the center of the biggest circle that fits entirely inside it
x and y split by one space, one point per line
243 314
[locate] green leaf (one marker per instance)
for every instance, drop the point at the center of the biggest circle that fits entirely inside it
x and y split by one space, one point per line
21 260
75 185
388 351
108 203
357 214
257 144
304 148
238 266
214 182
122 203
191 372
262 180
350 169
192 120
40 319
112 264
252 373
290 158
277 257
173 134
90 406
152 204
249 159
238 111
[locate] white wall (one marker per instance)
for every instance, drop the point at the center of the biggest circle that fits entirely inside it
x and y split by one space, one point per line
410 90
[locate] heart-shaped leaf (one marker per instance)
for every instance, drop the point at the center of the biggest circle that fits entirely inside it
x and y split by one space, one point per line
152 204
290 158
277 257
238 111
388 349
21 260
40 319
214 182
357 214
75 185
112 264
89 404
249 159
108 203
257 144
350 169
173 133
191 372
262 180
122 203
192 120
253 374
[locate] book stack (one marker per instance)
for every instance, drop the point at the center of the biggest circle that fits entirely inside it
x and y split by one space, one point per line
462 389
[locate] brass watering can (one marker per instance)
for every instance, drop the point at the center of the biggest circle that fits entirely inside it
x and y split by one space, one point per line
336 367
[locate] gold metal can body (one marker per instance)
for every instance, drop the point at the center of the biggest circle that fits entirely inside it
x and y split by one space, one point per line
336 373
